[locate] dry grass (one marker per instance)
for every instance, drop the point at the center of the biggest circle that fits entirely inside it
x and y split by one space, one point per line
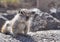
9 1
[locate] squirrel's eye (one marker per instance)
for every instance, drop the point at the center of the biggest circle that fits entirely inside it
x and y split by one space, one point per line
21 12
33 12
8 25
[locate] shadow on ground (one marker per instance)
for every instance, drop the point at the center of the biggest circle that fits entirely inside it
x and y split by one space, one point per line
24 38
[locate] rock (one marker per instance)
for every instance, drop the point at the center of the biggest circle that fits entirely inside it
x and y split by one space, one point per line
44 22
39 36
9 38
47 36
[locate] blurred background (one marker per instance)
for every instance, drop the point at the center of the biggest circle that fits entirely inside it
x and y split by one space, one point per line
43 5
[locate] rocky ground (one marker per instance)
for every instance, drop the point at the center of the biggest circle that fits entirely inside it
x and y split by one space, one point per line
39 36
45 27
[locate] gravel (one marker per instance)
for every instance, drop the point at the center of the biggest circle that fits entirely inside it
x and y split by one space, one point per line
39 36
